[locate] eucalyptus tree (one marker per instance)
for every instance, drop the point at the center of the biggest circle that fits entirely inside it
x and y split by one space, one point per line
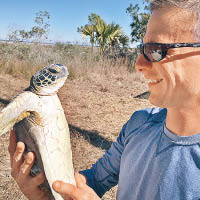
124 40
140 17
36 33
41 29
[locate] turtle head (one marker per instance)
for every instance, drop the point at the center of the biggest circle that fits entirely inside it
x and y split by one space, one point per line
49 80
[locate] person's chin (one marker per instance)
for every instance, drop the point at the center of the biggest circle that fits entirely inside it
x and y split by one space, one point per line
156 101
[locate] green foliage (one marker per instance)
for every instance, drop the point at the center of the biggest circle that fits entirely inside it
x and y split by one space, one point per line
40 31
37 32
88 30
107 36
139 20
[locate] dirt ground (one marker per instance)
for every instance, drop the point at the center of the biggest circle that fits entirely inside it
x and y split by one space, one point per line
96 108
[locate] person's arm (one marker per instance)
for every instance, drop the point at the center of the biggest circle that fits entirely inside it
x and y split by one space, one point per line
104 174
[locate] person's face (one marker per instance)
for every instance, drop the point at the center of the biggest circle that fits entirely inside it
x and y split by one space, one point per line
177 75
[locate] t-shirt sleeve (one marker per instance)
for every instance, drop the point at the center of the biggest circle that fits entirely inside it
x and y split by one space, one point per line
104 173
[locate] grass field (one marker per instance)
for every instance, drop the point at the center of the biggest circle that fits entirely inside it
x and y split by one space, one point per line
98 98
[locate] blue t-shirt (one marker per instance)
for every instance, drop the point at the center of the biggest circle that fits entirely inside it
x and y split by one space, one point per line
148 162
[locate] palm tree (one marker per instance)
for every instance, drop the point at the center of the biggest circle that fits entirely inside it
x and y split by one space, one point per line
100 29
112 34
106 36
88 30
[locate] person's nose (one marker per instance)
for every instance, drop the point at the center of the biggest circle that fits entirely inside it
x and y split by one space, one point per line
142 64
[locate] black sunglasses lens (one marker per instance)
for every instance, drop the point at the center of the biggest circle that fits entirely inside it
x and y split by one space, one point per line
154 52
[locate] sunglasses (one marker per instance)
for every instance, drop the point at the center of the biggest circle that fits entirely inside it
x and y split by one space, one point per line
155 52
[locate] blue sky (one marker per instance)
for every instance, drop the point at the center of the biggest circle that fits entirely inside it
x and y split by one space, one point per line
66 15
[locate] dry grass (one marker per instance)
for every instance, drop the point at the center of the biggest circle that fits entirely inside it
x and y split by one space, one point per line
25 59
97 101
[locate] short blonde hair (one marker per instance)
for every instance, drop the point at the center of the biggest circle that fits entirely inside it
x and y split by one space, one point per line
191 5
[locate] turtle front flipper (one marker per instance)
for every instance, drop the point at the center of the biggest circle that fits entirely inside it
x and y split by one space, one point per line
18 109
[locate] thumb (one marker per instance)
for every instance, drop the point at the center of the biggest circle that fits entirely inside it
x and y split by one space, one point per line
64 188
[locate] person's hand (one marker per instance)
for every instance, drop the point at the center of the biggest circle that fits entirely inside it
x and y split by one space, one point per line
20 170
79 192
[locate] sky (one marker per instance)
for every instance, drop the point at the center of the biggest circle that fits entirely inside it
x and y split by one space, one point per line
65 16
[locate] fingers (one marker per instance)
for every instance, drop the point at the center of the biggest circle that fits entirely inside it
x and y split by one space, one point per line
12 145
18 155
80 180
79 192
17 159
28 163
21 170
87 193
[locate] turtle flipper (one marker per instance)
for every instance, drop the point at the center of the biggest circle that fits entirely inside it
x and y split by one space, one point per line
19 108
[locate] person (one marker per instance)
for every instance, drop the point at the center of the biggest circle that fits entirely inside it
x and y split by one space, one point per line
157 153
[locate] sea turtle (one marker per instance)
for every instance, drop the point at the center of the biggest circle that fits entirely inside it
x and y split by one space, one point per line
39 121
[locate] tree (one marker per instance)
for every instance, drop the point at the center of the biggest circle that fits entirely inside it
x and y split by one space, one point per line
88 30
106 36
139 20
94 29
41 30
37 33
124 40
110 37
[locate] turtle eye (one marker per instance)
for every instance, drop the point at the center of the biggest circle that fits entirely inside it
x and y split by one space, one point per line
52 70
55 69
